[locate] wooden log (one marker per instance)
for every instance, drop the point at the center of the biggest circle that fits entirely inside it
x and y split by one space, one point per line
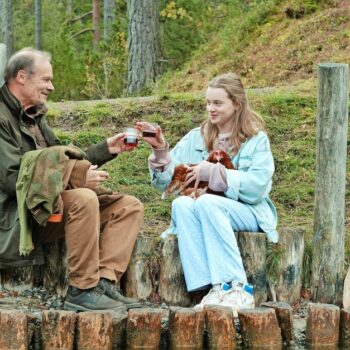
186 328
259 328
322 327
17 279
289 268
220 327
253 251
143 328
284 314
331 154
56 267
13 325
57 329
139 280
172 286
344 329
119 331
95 330
3 61
33 320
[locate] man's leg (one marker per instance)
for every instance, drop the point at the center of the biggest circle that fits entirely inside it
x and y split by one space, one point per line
120 225
81 225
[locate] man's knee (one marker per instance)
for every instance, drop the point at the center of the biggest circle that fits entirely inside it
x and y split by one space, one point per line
80 199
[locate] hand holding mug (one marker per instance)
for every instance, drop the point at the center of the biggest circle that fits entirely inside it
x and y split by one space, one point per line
152 134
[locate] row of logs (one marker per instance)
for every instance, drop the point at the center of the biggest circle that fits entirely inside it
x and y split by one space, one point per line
268 327
155 271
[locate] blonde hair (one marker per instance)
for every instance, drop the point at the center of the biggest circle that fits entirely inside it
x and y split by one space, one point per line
246 122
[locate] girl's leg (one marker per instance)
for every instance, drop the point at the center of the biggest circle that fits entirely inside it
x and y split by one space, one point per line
219 217
191 243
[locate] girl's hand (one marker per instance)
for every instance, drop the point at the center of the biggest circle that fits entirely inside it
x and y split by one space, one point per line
156 142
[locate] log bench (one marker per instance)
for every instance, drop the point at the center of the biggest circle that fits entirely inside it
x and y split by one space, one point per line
155 272
172 328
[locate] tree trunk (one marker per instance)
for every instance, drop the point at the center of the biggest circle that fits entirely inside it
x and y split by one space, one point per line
69 8
96 24
142 43
7 27
108 19
38 27
332 127
2 62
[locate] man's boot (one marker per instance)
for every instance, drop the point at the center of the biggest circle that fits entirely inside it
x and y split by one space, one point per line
92 299
111 290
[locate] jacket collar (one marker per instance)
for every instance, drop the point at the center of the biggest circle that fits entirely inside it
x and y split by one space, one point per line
11 101
15 105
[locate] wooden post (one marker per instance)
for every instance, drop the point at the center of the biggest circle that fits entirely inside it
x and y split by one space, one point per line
172 287
57 329
290 265
143 329
186 328
331 143
13 325
2 62
253 251
260 329
139 279
322 328
95 330
220 328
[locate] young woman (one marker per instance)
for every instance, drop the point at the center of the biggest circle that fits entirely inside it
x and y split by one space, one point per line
205 226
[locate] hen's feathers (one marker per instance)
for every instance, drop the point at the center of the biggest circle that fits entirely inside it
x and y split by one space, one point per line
177 184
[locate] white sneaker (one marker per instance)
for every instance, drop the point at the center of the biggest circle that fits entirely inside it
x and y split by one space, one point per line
237 298
214 297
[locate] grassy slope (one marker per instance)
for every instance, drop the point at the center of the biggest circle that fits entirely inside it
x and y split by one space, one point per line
281 52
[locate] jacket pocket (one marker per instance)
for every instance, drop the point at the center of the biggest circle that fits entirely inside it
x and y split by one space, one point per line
8 212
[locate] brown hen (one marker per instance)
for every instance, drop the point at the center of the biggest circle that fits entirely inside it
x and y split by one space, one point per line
177 184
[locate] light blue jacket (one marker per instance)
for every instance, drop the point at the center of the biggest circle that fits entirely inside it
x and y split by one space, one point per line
250 183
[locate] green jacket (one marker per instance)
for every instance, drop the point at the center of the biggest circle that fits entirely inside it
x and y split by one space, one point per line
15 140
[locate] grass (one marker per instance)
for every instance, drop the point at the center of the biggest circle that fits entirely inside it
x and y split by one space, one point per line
290 117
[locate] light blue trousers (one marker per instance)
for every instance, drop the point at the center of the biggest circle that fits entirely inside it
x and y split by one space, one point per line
208 247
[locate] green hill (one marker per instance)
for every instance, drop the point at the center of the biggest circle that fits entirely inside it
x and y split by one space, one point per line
276 45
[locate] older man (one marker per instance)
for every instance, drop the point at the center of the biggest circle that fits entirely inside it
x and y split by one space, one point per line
99 235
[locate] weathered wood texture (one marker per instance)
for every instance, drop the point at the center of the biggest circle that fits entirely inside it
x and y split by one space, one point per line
56 267
344 329
141 277
119 331
322 328
95 331
2 62
260 329
253 251
289 270
284 314
13 334
143 329
220 328
57 329
172 287
331 139
186 328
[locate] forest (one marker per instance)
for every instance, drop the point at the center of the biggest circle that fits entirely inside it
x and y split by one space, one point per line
275 46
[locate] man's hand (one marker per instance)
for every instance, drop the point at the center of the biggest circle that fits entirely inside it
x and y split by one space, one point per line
116 144
94 178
